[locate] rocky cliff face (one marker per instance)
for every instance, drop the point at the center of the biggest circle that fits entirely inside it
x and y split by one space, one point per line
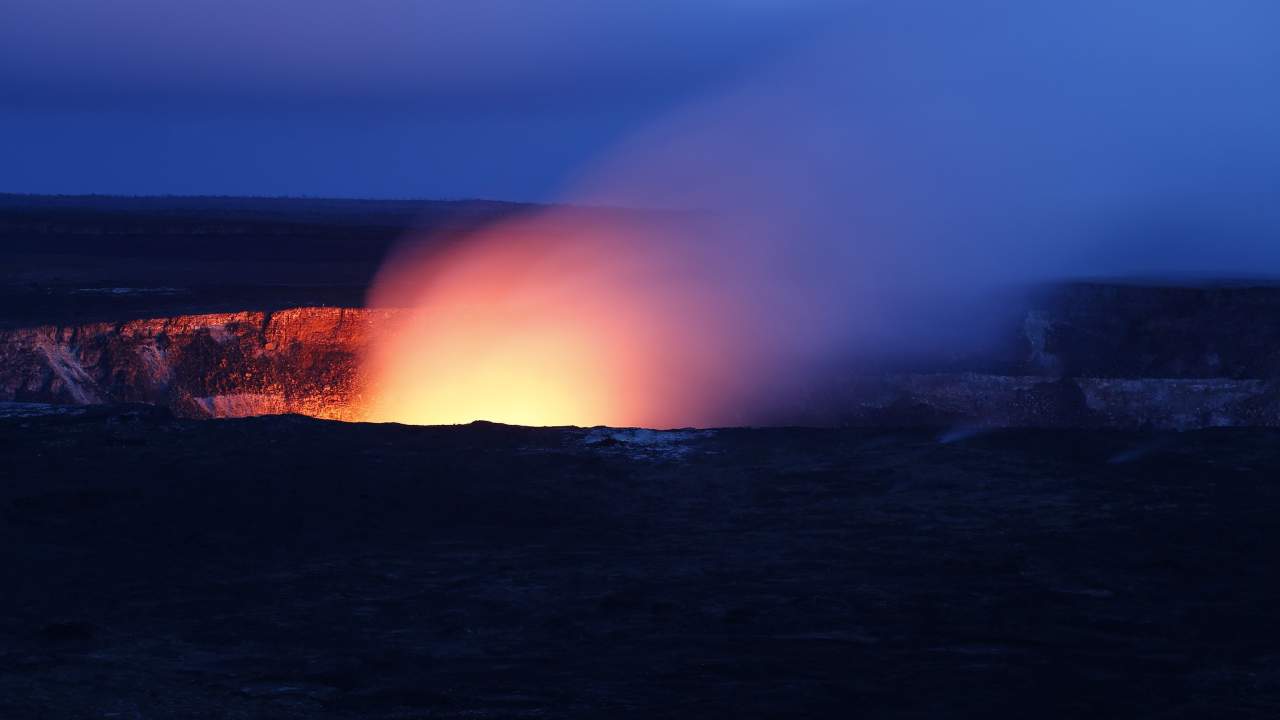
304 360
1081 356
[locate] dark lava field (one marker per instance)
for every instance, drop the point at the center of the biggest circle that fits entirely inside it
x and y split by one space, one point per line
284 567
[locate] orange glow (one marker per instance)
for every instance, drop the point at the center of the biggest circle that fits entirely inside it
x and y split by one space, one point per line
555 321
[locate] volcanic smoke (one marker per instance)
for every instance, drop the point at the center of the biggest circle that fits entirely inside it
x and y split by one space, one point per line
863 198
575 317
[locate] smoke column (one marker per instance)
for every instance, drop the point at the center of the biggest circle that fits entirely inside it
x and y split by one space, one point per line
865 197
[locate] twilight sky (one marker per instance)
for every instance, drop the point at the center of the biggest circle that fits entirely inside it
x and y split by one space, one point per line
388 98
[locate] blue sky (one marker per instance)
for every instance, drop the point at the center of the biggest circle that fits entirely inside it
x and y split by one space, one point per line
389 98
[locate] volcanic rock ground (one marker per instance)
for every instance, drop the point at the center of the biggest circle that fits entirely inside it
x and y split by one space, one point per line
287 567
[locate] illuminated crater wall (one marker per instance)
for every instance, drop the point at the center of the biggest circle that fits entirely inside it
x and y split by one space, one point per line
303 360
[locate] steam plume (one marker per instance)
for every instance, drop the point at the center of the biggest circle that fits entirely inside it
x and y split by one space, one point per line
862 198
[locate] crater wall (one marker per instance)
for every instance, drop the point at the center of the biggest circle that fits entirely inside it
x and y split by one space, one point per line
303 360
1082 355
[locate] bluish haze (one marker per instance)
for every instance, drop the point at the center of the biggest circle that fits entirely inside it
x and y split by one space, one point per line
389 98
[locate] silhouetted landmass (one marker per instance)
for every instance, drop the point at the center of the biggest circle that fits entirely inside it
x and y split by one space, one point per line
99 258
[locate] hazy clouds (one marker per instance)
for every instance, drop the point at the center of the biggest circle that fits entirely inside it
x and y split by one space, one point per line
387 98
510 98
486 52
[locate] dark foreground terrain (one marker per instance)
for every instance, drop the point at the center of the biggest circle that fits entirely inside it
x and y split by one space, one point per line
291 568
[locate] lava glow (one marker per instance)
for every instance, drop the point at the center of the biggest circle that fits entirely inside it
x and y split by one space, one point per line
557 321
